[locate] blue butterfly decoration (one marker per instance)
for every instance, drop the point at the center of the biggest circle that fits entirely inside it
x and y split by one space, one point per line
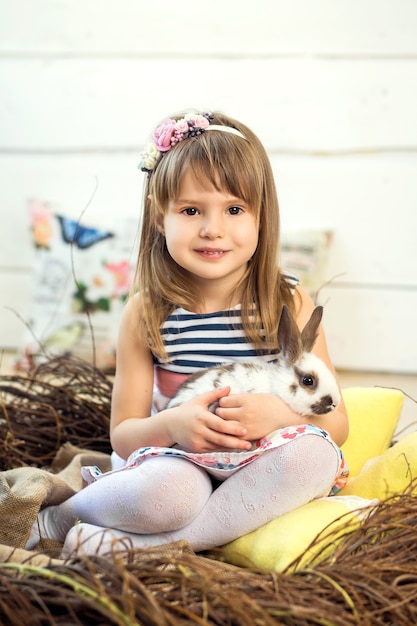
82 236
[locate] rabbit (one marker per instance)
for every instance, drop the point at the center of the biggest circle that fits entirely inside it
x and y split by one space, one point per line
298 377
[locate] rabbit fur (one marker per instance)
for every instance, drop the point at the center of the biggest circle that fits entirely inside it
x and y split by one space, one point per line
298 377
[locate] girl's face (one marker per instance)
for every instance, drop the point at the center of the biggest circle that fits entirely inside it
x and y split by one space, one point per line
209 233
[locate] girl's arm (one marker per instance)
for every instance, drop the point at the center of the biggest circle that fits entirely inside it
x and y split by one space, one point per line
264 413
132 426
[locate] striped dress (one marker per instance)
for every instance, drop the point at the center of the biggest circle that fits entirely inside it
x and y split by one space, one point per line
195 341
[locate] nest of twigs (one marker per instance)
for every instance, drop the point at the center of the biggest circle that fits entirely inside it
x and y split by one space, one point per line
64 399
371 579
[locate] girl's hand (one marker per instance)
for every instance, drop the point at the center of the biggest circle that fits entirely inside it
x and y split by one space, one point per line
196 429
259 413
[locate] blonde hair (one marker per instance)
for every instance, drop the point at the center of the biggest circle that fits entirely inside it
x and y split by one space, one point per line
239 167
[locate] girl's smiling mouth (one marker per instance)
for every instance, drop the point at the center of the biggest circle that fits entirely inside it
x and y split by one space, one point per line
211 252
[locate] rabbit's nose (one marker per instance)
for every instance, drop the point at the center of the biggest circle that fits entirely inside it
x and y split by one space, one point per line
324 405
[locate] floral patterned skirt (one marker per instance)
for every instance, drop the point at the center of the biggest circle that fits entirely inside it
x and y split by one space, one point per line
221 465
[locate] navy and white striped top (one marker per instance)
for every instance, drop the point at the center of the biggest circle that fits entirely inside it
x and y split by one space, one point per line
194 341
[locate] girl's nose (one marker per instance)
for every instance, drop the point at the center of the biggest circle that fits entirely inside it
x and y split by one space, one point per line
212 228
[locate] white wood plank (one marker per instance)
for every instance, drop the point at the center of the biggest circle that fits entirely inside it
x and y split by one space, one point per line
371 329
367 202
294 105
234 27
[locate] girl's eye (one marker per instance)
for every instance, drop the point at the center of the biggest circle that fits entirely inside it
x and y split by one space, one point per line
235 210
190 211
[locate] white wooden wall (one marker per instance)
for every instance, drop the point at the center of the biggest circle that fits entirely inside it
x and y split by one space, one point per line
329 86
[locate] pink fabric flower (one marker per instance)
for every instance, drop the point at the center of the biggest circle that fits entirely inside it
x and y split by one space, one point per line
182 126
163 133
201 122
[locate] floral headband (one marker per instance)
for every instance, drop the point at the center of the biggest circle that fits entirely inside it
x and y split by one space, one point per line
170 132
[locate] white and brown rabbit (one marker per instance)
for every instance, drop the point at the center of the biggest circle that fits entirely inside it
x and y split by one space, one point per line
298 377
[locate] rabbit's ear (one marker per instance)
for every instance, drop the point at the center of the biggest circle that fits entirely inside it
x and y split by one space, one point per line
289 337
311 329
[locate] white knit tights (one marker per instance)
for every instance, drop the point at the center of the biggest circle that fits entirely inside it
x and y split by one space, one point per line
166 499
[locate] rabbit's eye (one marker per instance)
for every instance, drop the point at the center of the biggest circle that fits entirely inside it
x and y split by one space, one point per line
307 381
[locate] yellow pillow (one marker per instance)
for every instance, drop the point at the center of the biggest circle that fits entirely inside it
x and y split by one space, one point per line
373 415
388 474
275 545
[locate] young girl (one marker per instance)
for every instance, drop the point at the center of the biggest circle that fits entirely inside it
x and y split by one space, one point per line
208 290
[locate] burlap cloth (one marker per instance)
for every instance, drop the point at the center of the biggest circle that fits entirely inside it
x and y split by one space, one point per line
23 491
